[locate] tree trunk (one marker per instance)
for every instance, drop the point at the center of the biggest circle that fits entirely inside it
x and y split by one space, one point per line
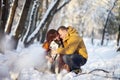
92 36
104 30
39 15
118 37
0 12
0 9
50 17
20 17
11 17
31 21
45 30
48 21
5 11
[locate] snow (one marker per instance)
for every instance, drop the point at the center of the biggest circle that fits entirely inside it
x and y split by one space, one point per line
30 64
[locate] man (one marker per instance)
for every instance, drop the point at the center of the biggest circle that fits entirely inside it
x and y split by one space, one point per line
74 50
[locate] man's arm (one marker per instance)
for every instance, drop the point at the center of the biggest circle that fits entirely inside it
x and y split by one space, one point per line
71 46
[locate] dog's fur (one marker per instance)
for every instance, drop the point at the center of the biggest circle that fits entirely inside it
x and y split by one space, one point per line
58 64
55 65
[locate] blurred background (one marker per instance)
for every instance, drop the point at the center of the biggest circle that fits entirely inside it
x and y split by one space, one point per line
29 20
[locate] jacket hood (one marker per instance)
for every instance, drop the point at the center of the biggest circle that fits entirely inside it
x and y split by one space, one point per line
72 31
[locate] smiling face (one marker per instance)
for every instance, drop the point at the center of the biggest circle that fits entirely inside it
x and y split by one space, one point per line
62 33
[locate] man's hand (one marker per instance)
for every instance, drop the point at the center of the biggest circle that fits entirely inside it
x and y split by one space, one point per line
54 51
50 59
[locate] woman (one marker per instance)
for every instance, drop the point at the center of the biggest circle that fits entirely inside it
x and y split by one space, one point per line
52 35
52 42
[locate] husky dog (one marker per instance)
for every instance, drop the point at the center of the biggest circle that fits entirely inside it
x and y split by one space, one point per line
55 65
53 46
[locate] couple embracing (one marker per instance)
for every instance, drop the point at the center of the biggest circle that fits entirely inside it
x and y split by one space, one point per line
65 48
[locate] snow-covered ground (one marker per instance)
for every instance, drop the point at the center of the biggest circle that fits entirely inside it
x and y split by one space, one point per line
103 64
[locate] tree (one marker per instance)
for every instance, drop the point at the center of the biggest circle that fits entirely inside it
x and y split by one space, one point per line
118 19
118 36
31 20
11 14
4 13
0 11
92 36
21 28
106 22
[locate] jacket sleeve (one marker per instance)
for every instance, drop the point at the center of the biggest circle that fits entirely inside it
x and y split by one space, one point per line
82 50
71 46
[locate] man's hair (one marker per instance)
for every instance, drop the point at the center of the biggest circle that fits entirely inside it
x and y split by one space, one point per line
62 28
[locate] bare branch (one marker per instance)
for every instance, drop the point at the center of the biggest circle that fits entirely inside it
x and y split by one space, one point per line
65 2
98 70
91 72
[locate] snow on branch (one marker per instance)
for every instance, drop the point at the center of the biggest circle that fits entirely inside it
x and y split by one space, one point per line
41 24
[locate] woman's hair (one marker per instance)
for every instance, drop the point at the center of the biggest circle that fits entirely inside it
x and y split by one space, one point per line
51 34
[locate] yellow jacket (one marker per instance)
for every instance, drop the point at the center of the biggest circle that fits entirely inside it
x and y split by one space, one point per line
73 43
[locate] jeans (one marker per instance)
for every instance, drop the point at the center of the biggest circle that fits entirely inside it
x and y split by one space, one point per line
75 61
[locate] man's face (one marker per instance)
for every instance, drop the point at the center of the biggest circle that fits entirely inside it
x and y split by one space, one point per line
62 33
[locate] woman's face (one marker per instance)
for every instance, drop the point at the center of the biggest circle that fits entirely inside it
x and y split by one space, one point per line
57 37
